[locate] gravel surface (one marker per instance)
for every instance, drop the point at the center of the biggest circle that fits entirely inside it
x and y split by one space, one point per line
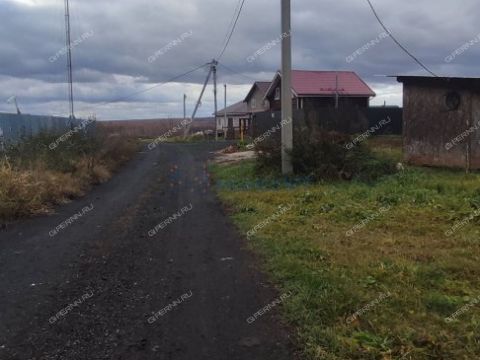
121 281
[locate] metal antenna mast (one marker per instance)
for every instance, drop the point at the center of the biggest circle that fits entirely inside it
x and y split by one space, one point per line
68 42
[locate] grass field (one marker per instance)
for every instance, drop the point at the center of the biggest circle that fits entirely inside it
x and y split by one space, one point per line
151 128
385 270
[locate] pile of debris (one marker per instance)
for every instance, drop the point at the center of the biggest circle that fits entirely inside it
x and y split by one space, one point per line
230 149
232 154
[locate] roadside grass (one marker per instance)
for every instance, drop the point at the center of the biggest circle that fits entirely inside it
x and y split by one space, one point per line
403 252
34 178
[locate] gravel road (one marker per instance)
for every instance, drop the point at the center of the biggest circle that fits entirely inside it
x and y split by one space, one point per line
121 281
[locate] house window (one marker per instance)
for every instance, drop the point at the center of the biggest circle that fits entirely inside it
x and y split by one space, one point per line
254 103
277 93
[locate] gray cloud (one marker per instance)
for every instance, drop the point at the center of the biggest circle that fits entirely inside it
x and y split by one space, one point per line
113 62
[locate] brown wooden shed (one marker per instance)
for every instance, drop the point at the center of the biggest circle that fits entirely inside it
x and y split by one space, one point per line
441 121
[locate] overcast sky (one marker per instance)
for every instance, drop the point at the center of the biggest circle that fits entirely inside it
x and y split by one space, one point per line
124 46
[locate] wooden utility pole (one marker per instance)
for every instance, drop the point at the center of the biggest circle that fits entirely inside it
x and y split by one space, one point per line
287 108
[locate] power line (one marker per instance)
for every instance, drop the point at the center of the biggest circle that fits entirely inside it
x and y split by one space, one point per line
236 72
228 37
152 87
232 31
397 42
231 21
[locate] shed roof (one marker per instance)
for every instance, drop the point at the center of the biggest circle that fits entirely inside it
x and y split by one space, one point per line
438 81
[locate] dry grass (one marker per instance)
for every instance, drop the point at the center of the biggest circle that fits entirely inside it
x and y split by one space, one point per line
26 192
33 179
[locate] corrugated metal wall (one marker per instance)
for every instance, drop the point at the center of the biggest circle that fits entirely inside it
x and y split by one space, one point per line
14 127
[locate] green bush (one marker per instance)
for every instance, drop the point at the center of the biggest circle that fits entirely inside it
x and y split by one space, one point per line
325 156
269 156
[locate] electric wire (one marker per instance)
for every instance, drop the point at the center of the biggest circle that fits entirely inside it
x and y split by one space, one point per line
398 42
232 31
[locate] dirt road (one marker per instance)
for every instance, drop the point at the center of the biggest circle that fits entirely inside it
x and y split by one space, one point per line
109 286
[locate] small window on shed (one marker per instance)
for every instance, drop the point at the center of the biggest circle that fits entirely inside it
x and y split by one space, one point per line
453 100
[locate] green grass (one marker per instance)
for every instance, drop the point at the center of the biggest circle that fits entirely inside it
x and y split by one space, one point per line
403 251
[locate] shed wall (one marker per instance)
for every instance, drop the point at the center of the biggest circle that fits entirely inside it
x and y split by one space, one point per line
429 126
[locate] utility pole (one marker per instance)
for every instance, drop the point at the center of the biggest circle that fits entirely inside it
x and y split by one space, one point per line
225 121
199 101
214 71
287 108
16 106
69 58
184 106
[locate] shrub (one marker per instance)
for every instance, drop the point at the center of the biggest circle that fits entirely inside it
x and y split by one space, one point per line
324 156
269 156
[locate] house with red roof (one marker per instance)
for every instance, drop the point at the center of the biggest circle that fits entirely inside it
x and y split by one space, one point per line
321 89
332 99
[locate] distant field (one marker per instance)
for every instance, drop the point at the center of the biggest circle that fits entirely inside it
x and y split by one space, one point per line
383 270
151 128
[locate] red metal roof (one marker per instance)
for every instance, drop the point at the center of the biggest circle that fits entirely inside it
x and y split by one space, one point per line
324 83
